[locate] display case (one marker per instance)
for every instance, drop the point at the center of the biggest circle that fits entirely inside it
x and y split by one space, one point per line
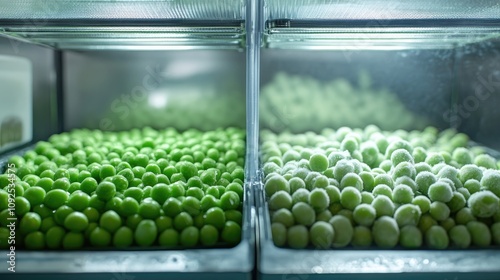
101 69
332 70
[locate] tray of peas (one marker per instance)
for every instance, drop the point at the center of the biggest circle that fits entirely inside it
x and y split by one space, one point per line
360 201
136 201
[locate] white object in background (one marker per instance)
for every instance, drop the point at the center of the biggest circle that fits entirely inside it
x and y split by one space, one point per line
16 97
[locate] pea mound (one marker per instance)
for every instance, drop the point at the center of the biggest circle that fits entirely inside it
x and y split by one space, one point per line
373 188
143 187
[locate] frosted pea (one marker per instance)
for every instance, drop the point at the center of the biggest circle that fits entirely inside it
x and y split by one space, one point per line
483 204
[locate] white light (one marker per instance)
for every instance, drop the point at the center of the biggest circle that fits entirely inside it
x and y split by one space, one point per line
158 100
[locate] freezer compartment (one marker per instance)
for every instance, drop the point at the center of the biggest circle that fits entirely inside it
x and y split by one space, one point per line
126 24
316 99
140 261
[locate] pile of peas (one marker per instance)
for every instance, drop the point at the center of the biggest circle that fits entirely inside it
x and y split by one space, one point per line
142 188
372 188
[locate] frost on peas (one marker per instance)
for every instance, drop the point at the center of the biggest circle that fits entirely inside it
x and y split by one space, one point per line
404 169
382 189
485 161
351 180
295 184
275 184
472 185
402 194
491 181
483 204
342 168
401 155
301 195
440 191
384 179
407 214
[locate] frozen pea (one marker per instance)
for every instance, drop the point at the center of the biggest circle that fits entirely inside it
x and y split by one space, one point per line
284 217
364 214
485 161
325 216
318 199
295 184
419 154
470 171
465 192
382 189
276 183
301 195
422 166
351 180
480 233
464 215
407 214
333 193
495 233
310 178
434 158
304 214
343 231
280 199
300 173
410 237
320 181
318 162
396 145
472 185
436 237
297 237
279 233
483 204
369 152
491 181
342 168
385 232
448 223
440 191
462 156
321 234
383 206
384 179
460 236
291 155
336 156
350 197
405 180
457 202
349 144
422 202
362 237
270 167
366 197
402 194
404 169
426 221
368 180
386 165
439 211
401 155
